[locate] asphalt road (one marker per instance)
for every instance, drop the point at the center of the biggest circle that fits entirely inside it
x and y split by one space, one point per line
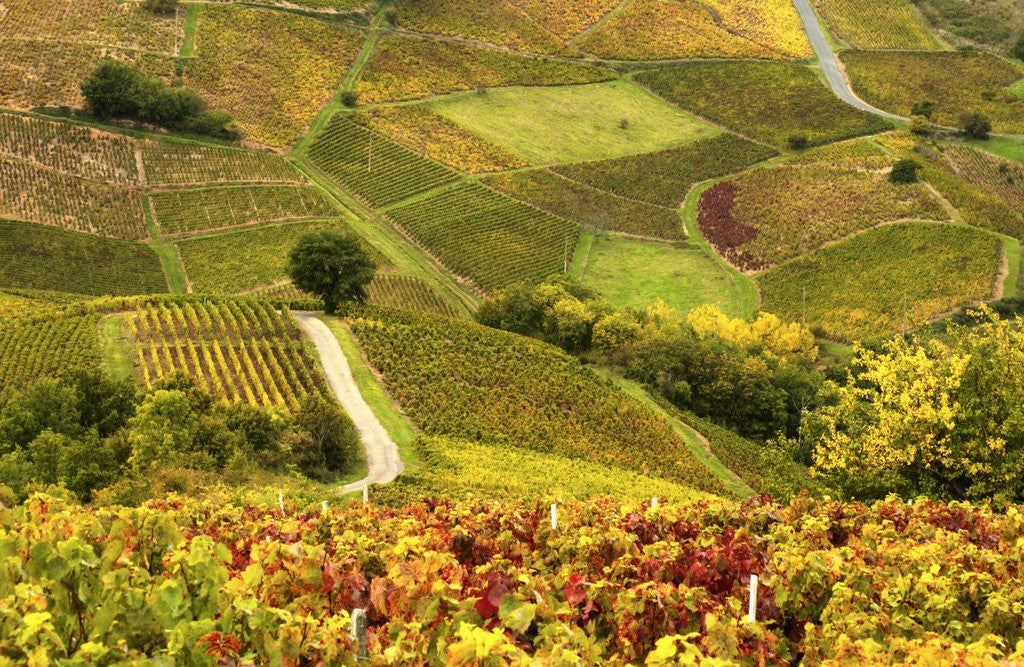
830 65
382 457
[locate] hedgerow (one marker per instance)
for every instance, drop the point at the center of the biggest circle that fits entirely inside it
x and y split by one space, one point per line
766 101
664 178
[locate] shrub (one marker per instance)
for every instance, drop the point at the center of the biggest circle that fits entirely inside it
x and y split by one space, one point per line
798 142
904 171
1018 49
161 6
975 125
920 125
350 98
925 108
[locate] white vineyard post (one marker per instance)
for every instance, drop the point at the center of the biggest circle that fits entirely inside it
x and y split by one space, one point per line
280 501
366 493
752 607
554 516
323 506
359 623
654 503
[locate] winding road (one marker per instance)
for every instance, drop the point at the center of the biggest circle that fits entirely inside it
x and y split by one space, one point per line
382 457
830 64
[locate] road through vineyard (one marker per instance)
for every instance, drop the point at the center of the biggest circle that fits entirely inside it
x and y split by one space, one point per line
381 451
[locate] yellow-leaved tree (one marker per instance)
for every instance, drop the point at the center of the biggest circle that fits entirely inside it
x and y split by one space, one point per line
943 416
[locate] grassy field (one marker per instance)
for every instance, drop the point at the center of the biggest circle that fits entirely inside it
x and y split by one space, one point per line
766 101
632 272
574 123
1011 148
884 280
40 257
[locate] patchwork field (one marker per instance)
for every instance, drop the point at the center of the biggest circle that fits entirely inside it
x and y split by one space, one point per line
404 68
272 70
174 163
243 259
423 131
566 19
194 210
40 257
958 82
589 206
997 177
236 350
663 178
877 24
488 237
767 101
498 22
379 171
633 273
690 29
69 149
886 279
767 216
574 123
475 383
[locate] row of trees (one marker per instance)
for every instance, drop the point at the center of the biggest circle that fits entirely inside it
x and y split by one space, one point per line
85 432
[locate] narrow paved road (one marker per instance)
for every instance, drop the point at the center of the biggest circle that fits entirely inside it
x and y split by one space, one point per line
830 65
385 463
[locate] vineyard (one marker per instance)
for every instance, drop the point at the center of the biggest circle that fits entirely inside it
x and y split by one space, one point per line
40 257
408 293
885 280
292 65
427 133
877 24
589 206
69 149
500 23
237 350
49 197
691 29
491 238
766 101
379 171
997 177
184 211
405 68
464 583
566 19
462 469
664 178
174 163
767 216
244 259
31 348
469 382
958 82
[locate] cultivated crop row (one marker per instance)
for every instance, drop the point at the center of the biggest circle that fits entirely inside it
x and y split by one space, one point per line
182 211
877 24
171 163
42 195
408 293
379 171
471 382
497 22
50 346
493 239
236 350
42 257
999 177
664 178
70 149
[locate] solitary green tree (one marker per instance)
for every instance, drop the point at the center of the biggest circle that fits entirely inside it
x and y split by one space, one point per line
331 265
160 6
904 171
976 126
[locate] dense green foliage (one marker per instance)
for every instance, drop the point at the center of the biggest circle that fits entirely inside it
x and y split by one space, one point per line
766 101
41 257
470 382
85 432
331 265
664 178
469 583
119 90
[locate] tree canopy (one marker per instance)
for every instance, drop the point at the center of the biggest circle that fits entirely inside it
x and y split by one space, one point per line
332 265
